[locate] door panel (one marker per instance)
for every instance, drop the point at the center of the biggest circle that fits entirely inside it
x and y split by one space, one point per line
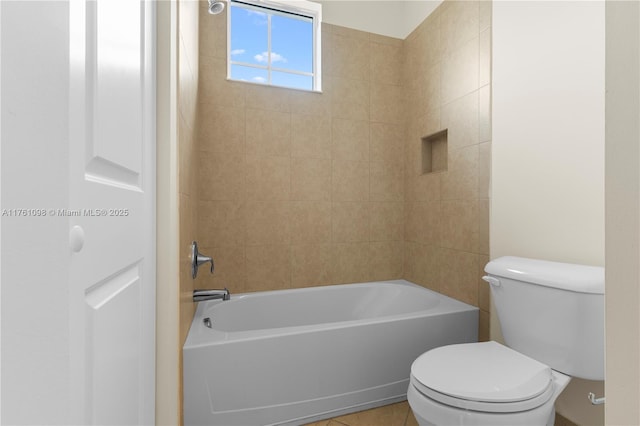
118 85
112 185
113 327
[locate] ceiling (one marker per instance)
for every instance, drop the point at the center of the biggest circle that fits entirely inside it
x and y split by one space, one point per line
386 17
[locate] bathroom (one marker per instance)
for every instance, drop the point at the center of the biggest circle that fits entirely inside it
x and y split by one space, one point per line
300 189
342 196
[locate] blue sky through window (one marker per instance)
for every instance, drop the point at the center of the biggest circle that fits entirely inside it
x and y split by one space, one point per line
288 63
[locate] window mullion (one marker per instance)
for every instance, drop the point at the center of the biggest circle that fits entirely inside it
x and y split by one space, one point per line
269 46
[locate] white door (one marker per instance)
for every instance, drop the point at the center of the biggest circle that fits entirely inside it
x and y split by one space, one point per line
112 187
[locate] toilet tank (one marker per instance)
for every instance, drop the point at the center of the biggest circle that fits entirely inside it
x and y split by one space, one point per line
552 312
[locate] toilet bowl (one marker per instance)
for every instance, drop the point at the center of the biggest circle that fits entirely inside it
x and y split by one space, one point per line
483 384
552 319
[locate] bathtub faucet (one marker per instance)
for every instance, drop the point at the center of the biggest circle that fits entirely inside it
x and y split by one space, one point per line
201 295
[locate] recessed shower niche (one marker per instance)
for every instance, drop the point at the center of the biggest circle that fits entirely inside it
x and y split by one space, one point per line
434 152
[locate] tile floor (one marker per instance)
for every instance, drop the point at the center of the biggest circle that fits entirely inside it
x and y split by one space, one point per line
398 414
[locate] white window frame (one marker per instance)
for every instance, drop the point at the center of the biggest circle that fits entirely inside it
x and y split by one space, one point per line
286 8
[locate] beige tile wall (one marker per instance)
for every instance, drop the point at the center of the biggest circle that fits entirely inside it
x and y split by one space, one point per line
447 86
302 189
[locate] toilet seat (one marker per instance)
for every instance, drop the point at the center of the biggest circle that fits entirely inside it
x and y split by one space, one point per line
487 377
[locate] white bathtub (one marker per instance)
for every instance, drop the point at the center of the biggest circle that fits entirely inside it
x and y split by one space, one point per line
297 356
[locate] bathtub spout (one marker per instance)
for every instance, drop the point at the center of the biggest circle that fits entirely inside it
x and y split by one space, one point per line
200 295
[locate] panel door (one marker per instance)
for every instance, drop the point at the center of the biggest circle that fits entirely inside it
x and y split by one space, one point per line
112 175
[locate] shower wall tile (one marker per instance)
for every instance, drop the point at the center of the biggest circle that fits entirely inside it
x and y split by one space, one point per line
386 221
188 22
311 265
267 97
420 127
459 23
327 50
186 155
386 181
213 84
484 114
311 136
350 222
350 99
460 118
447 213
268 267
485 11
187 230
351 56
484 170
423 187
385 54
292 169
413 157
222 223
268 178
485 57
433 87
459 73
461 180
386 143
350 262
222 128
213 33
411 258
310 179
483 226
459 225
386 260
310 103
268 132
268 222
423 222
310 222
350 180
422 264
386 103
220 176
350 140
459 275
230 269
300 189
188 83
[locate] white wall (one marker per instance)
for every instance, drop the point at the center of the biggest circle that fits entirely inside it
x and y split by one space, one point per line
548 144
391 18
623 213
548 130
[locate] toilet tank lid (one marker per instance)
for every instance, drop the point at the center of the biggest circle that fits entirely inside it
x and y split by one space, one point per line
565 276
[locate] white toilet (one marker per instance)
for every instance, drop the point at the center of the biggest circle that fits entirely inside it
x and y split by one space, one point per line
552 319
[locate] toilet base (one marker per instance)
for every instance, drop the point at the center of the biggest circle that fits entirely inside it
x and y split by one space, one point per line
432 413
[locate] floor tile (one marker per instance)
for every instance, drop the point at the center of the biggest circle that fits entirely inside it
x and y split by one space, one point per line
388 415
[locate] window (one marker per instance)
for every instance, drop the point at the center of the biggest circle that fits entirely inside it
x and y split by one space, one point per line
275 43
